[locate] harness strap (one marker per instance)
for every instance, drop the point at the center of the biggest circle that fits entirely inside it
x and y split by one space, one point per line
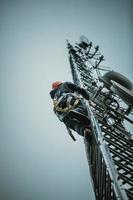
70 133
68 99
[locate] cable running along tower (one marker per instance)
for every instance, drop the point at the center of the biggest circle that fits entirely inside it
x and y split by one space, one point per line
110 157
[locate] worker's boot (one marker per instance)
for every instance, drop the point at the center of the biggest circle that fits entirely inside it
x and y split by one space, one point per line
88 135
79 116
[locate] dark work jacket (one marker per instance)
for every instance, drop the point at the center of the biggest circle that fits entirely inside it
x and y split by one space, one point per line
68 87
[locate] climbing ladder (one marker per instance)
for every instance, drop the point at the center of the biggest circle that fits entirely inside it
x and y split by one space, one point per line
110 156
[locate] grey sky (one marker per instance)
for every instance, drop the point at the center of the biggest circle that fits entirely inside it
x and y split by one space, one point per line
38 160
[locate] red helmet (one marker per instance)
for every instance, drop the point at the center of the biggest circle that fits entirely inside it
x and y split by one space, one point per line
56 84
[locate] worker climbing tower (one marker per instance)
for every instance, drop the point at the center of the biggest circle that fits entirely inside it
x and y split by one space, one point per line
110 155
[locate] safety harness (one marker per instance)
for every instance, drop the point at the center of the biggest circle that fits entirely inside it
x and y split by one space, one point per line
62 106
69 100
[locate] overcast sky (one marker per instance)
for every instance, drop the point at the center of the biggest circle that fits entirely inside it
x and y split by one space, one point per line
38 160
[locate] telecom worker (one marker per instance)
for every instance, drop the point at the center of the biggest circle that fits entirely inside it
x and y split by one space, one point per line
70 108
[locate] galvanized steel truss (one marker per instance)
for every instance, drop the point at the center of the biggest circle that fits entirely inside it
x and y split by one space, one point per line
110 156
